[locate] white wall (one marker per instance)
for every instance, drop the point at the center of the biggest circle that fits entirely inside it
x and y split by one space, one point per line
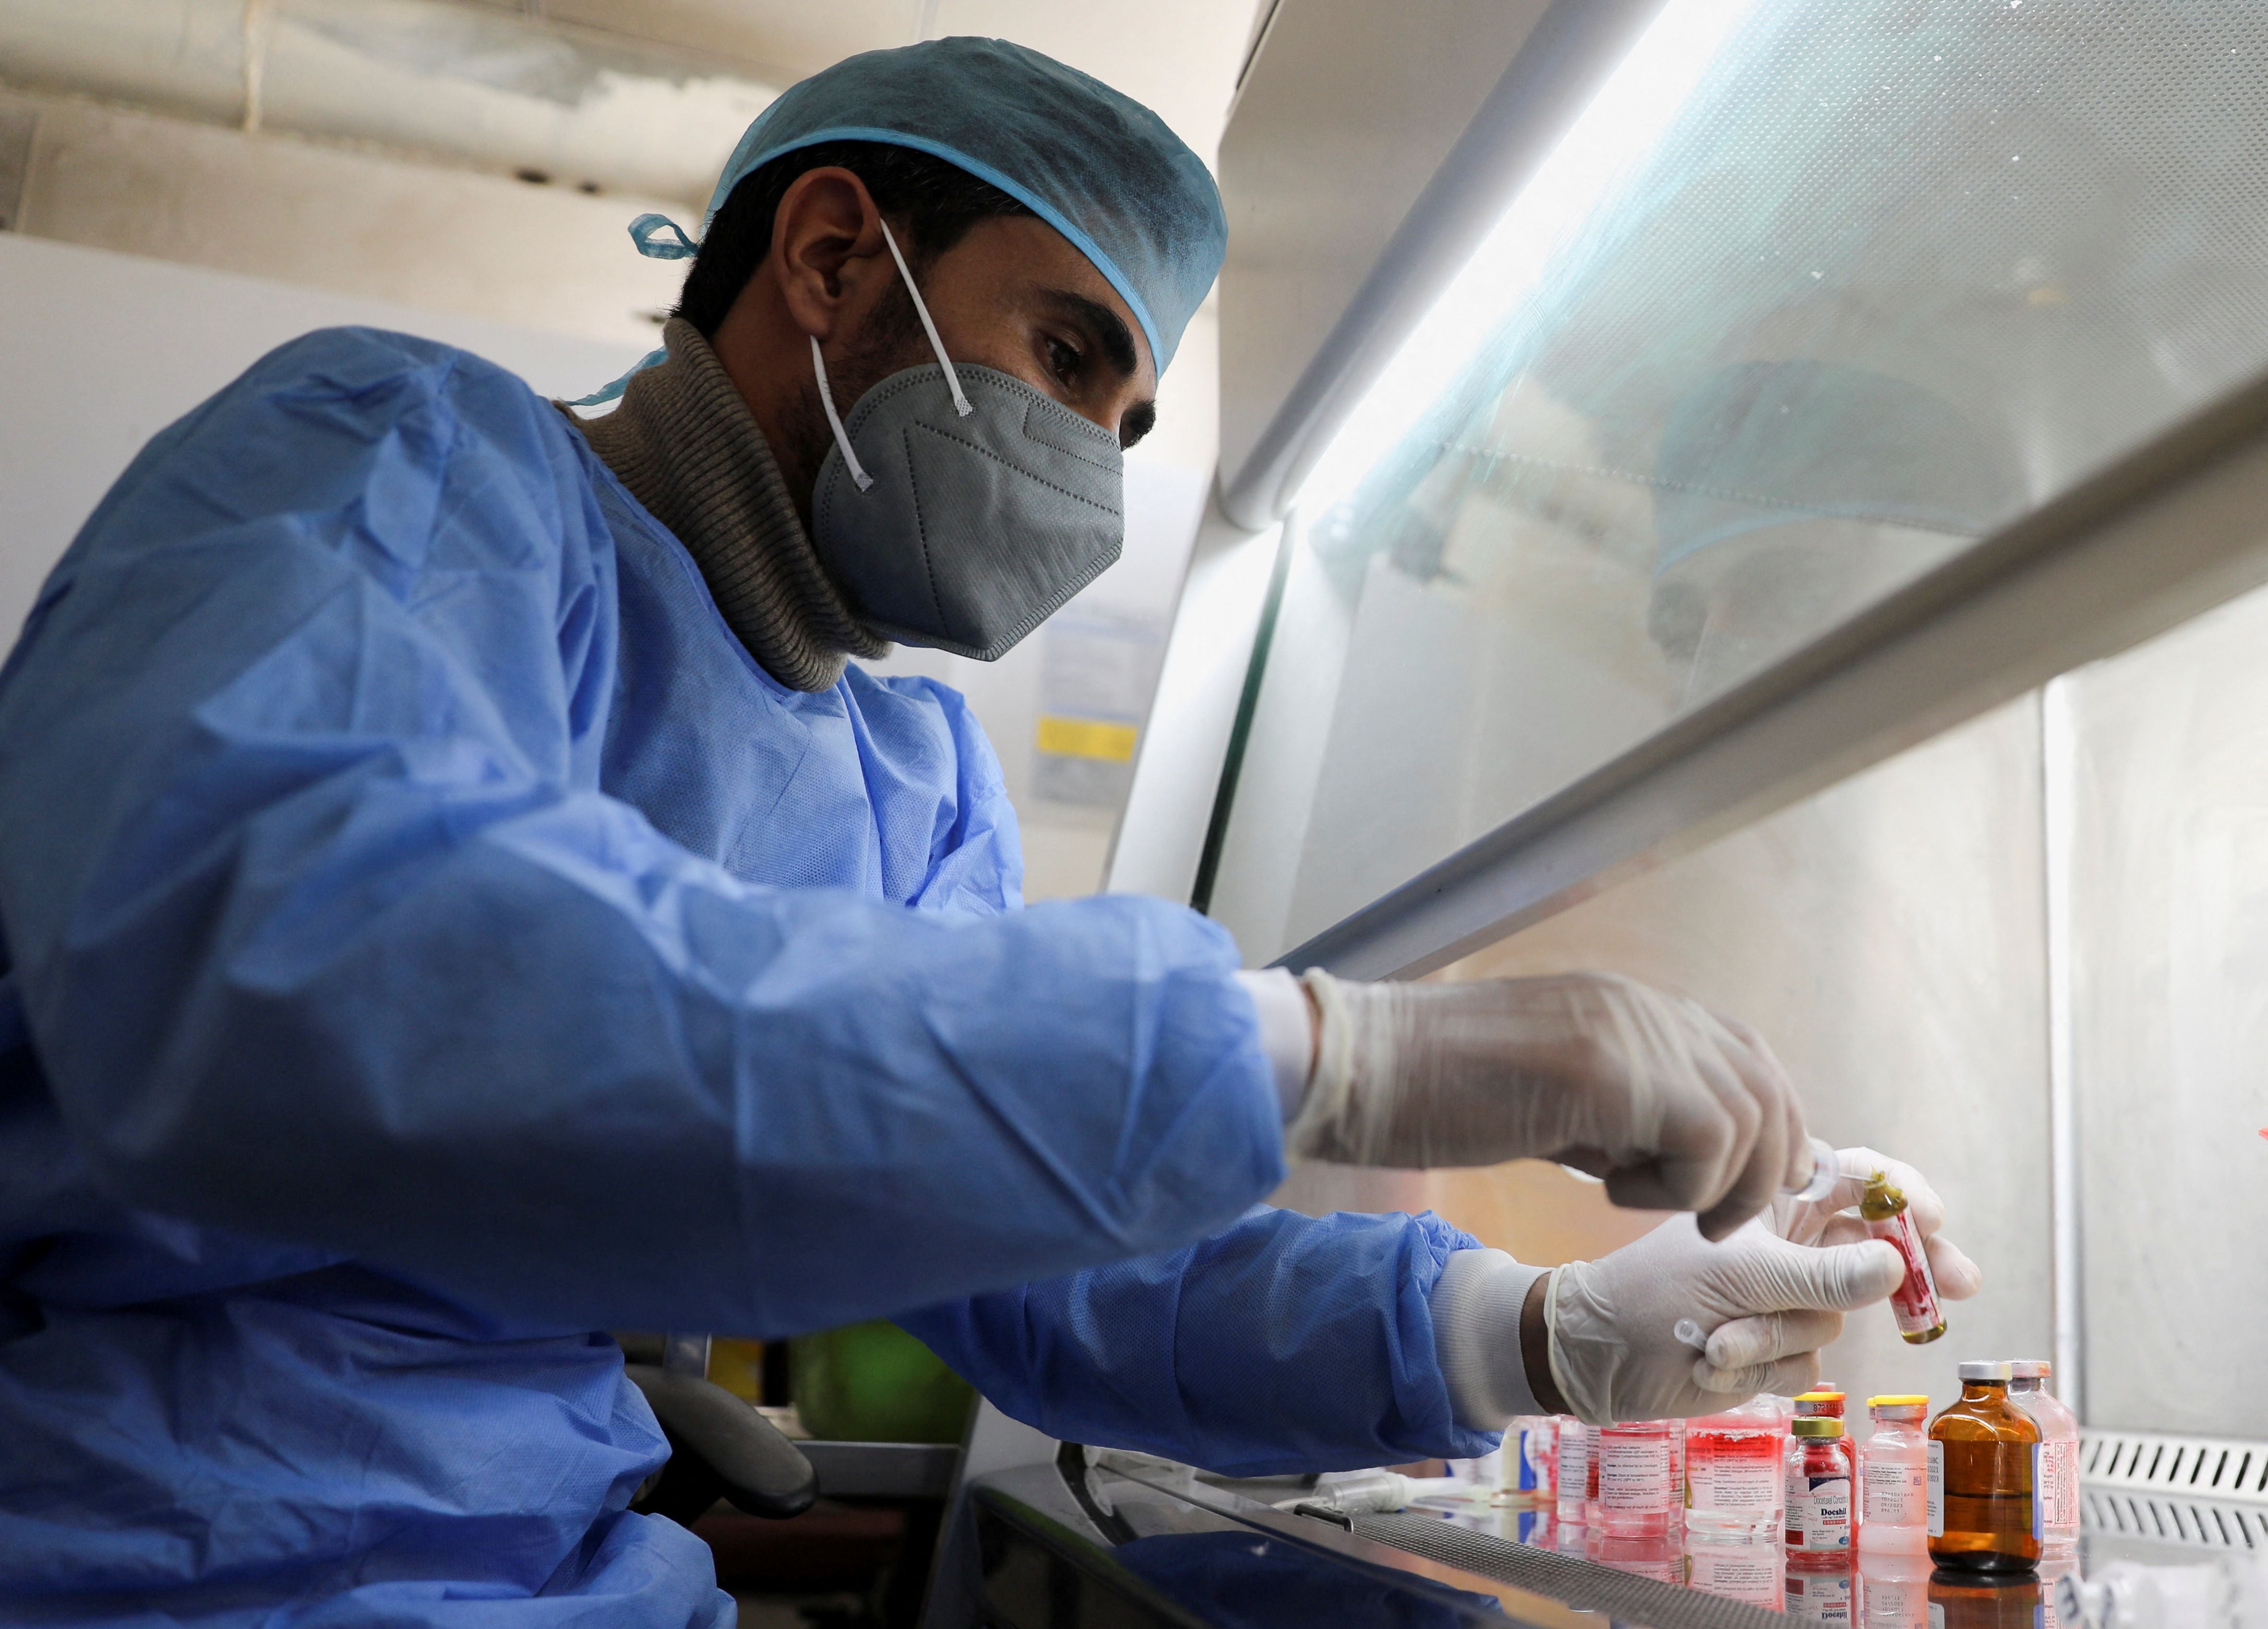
2169 908
102 350
350 222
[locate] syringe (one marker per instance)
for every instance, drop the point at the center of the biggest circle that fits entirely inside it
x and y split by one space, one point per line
1826 1171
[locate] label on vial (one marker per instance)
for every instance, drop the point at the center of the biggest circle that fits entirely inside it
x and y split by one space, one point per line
1936 1613
2055 1482
1575 1445
1935 1495
1736 1472
1819 1515
1894 1494
2039 1501
1634 1476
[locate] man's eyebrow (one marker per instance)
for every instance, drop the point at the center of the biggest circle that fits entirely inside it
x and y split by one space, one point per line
1107 327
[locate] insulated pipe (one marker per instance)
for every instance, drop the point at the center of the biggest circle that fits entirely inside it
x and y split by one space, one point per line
492 89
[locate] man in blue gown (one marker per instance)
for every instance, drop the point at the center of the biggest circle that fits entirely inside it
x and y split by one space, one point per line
459 897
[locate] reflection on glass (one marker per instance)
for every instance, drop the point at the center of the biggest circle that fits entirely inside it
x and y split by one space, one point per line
1883 276
1753 1573
1787 495
1236 1580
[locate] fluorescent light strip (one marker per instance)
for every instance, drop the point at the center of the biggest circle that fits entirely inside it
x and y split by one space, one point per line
1622 126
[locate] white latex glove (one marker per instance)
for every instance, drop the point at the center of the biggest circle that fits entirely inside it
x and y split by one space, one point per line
1677 1108
1768 1298
1831 1220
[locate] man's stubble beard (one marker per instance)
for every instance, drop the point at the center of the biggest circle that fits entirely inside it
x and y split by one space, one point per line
889 342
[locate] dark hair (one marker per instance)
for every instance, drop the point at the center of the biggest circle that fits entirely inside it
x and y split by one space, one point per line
939 201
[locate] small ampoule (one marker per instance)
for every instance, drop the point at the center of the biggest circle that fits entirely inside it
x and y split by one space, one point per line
1981 1513
2054 1474
1914 1302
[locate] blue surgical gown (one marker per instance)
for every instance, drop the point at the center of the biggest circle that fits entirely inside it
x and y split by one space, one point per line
429 938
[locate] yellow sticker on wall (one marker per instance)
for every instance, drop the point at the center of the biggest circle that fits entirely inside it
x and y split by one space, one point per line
1087 738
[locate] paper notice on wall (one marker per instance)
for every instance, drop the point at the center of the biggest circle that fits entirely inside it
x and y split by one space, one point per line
1098 670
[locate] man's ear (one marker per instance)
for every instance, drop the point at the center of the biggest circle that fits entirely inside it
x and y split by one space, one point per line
827 238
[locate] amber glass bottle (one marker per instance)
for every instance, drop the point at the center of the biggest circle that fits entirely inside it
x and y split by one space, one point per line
1983 1516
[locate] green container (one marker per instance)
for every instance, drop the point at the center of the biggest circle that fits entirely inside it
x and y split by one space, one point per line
873 1383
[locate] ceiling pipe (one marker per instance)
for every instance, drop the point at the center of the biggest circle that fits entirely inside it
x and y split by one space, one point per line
486 87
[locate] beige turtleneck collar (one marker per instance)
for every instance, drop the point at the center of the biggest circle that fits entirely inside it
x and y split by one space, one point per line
685 444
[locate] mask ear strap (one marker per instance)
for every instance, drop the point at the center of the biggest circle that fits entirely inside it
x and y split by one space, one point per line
858 476
959 402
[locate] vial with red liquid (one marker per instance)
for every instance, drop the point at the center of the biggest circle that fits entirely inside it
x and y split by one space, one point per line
1914 1302
1733 1487
1819 1491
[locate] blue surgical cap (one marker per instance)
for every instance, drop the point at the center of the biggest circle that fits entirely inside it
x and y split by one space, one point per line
1760 445
1098 166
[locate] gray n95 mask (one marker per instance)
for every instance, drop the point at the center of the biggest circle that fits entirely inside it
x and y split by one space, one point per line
959 508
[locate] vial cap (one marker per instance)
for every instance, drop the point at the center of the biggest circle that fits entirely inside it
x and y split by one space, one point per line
1824 1396
1985 1371
1910 1399
1817 1426
2031 1369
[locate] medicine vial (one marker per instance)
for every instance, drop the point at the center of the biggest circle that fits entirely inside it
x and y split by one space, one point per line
1894 1477
1819 1489
1983 1517
1914 1302
1735 1479
2054 1474
1639 1476
1530 1461
1573 1481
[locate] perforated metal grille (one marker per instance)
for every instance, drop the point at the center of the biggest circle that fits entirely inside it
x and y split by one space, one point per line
2221 1468
2203 1491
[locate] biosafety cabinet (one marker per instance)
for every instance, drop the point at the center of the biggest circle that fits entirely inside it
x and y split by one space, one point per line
1771 499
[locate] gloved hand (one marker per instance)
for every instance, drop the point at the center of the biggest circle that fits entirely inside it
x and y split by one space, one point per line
1677 1108
1768 1298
